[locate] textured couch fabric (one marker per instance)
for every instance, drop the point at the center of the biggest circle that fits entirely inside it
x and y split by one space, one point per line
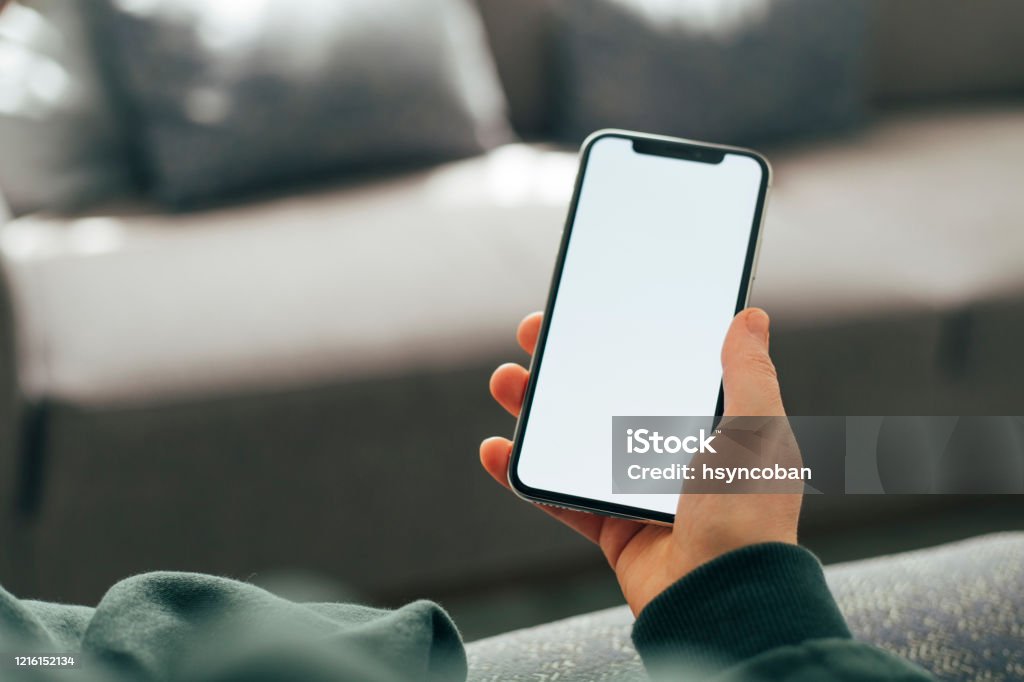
955 610
343 358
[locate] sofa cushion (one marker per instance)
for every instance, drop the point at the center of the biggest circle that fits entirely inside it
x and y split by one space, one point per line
873 248
231 97
425 270
904 232
740 71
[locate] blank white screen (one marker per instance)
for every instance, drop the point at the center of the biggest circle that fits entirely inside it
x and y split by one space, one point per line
649 286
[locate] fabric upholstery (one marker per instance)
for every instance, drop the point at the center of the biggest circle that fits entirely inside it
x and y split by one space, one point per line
226 98
10 428
923 49
371 385
954 610
913 50
216 395
743 71
910 242
995 338
428 270
522 36
494 223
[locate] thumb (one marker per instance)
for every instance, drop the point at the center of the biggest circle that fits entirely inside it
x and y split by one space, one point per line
748 374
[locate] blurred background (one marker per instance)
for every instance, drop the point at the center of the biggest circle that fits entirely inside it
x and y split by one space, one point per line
260 258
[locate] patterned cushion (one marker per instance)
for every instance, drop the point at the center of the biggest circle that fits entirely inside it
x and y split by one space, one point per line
956 610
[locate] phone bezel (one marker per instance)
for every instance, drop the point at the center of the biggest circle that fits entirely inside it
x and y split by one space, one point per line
746 280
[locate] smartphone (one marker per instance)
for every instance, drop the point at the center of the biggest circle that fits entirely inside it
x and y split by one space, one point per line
658 254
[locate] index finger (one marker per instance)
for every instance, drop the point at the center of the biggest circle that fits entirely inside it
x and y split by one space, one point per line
528 331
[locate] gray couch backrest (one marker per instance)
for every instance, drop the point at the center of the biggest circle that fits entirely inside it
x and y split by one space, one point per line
946 48
917 49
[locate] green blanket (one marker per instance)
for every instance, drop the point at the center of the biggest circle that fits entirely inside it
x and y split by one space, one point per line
181 626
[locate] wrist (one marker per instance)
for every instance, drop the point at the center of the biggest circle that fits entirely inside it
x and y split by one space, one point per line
738 605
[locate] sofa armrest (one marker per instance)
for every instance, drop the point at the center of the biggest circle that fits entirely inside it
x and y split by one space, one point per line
956 610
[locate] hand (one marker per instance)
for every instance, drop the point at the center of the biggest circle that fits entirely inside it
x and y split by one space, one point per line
648 558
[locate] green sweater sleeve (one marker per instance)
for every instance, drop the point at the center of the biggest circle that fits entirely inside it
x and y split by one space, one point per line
760 612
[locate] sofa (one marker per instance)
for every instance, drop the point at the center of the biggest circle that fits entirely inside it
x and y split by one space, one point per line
299 380
954 610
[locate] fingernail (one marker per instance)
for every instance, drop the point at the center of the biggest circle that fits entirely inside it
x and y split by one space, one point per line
757 324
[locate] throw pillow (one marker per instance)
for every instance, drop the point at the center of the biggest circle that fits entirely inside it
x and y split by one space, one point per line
737 71
234 96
